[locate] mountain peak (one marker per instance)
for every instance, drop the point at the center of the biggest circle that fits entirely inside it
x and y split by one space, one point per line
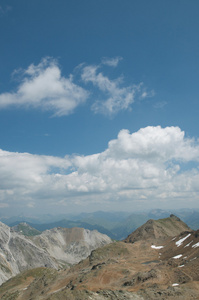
174 217
158 229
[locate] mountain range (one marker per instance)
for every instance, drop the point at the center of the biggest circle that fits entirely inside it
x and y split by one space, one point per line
117 225
159 260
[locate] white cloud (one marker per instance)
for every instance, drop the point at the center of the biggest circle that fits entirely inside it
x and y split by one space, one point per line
117 97
147 94
154 143
142 168
112 62
44 87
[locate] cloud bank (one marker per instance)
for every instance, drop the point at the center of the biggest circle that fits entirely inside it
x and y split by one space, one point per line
43 87
152 167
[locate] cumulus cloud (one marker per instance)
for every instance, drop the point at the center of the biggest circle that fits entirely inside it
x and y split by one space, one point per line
116 97
44 87
147 166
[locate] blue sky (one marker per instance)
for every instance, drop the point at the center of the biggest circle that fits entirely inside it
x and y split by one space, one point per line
98 105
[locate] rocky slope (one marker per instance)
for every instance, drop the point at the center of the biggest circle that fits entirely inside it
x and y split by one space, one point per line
70 245
53 249
145 269
158 229
18 253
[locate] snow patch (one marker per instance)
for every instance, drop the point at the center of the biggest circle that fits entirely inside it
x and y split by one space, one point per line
196 245
175 284
181 266
177 256
188 244
179 243
157 247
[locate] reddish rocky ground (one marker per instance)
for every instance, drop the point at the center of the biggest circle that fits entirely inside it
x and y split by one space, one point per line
146 269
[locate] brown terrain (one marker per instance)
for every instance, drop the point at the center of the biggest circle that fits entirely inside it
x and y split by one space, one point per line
159 265
158 230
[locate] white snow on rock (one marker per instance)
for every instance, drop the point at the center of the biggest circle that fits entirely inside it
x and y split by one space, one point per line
157 247
188 244
175 284
181 266
196 245
179 243
177 256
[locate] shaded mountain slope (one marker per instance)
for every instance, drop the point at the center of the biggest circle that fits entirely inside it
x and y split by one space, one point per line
25 229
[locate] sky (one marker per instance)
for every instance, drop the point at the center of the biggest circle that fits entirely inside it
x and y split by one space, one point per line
99 105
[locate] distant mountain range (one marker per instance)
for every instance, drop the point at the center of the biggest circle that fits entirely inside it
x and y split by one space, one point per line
159 260
117 225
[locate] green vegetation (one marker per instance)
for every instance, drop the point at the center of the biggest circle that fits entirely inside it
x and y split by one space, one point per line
10 296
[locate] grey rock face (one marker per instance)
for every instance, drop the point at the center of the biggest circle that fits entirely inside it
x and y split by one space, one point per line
70 245
18 253
53 248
